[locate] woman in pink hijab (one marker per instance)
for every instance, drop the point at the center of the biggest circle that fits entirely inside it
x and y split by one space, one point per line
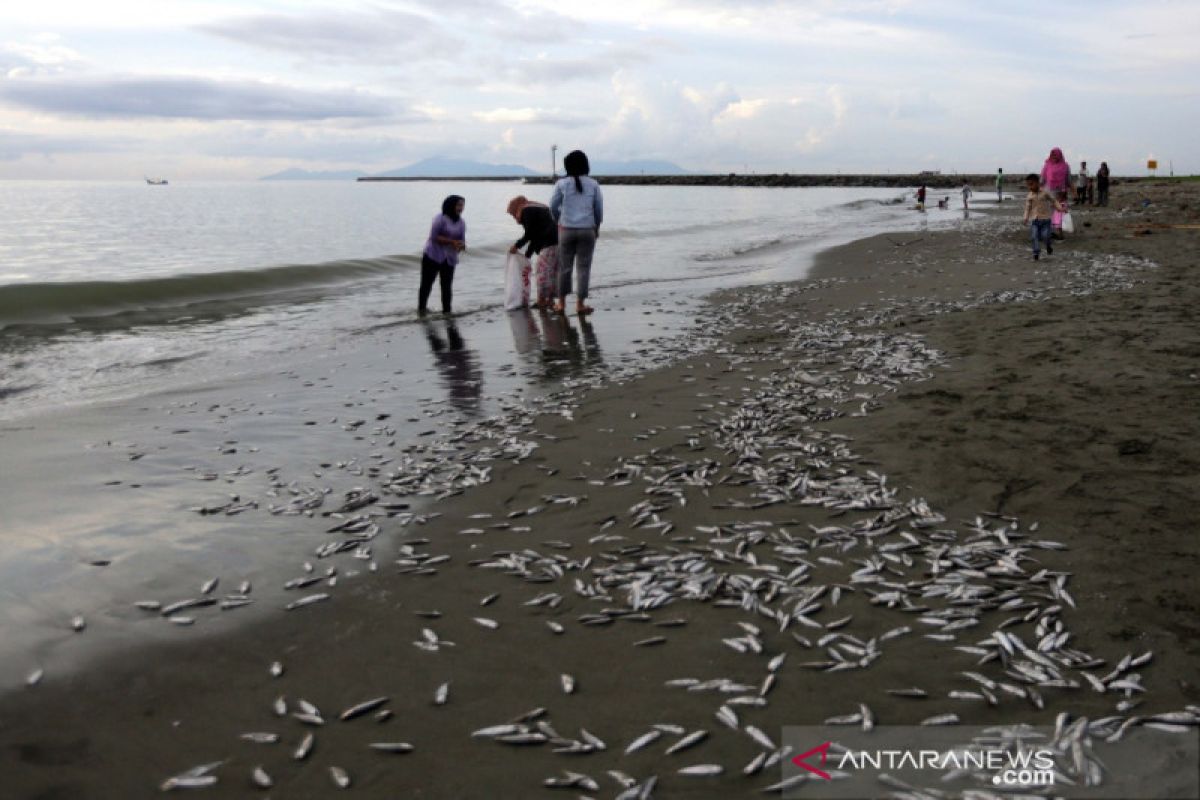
1056 179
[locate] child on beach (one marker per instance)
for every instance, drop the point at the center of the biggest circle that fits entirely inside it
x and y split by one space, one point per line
966 193
921 198
1039 208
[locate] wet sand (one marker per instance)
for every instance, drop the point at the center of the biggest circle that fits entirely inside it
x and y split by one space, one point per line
1073 412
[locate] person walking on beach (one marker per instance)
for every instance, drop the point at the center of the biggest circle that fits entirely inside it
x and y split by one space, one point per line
1039 208
966 193
921 197
447 238
1081 184
1056 179
578 207
540 239
1102 184
1000 185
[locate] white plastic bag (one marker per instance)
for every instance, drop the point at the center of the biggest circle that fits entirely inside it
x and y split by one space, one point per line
1068 224
516 282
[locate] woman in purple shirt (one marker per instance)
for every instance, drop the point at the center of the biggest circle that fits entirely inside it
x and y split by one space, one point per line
447 238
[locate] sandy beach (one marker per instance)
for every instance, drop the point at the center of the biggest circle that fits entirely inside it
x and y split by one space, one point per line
824 443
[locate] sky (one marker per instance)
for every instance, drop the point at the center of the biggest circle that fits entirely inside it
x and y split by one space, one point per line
226 90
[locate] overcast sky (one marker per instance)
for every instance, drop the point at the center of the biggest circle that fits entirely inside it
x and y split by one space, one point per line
232 89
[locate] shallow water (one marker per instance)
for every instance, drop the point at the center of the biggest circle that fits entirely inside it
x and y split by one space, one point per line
113 290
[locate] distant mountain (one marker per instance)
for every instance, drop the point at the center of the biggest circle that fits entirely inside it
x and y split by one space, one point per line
637 167
439 167
297 174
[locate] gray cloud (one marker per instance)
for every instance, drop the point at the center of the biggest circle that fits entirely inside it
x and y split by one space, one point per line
536 116
15 145
558 69
191 98
386 35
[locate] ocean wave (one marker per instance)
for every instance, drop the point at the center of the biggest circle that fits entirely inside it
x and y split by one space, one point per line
742 250
872 202
35 303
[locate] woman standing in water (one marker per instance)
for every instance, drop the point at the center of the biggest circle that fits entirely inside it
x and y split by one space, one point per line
578 208
541 236
447 238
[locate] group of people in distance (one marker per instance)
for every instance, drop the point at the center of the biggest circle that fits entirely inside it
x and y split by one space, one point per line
562 235
1047 197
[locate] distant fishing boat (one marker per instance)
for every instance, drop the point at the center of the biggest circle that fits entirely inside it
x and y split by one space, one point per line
156 181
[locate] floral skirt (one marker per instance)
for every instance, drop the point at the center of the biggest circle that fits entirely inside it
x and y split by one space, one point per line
547 274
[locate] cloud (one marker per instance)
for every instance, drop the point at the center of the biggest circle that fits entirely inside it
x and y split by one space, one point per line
555 117
191 98
16 144
41 55
571 63
385 35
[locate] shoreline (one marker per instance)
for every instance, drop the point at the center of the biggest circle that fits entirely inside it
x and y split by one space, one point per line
1012 183
188 704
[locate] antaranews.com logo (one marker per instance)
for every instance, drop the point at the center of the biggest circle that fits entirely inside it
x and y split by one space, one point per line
1020 768
842 762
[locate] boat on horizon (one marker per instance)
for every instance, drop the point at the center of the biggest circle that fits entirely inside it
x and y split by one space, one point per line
156 181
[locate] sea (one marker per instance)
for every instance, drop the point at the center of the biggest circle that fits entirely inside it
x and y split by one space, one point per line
163 348
113 290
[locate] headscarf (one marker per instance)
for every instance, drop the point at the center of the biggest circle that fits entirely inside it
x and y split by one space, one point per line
576 164
1056 171
450 206
516 206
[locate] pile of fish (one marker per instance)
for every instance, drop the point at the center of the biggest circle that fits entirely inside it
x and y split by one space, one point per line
980 589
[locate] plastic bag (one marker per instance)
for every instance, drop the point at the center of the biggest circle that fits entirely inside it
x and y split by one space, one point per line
1068 224
516 282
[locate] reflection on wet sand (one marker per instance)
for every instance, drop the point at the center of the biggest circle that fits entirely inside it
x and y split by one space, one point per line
458 367
553 343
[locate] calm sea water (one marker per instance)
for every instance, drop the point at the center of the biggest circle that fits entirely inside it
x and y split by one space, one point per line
110 290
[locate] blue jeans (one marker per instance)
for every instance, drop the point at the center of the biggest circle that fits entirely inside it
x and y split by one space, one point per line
1039 231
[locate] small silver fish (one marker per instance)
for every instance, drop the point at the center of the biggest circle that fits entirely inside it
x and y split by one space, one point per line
497 730
442 694
306 601
391 747
642 741
941 719
340 777
567 682
305 747
702 770
687 741
364 707
261 779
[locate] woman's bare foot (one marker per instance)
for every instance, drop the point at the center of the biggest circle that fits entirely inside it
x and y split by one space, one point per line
559 308
582 309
